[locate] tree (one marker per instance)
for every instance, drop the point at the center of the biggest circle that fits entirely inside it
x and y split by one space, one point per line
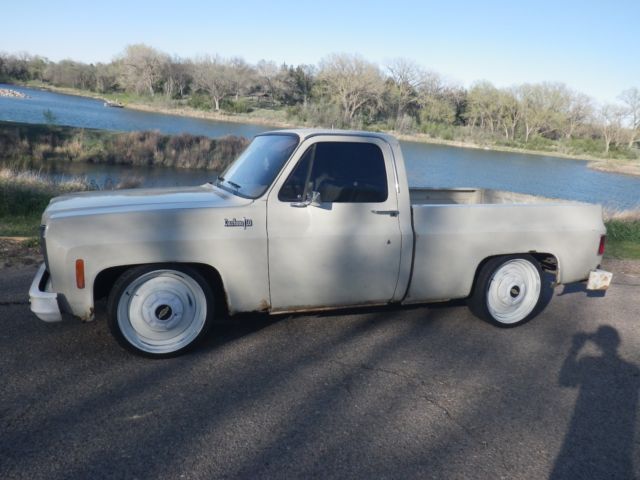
212 75
631 99
241 75
483 106
579 110
407 77
509 111
542 107
142 68
438 102
352 83
271 79
298 84
106 77
610 120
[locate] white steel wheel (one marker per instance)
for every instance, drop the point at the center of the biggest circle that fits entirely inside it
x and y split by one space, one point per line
508 290
159 312
514 291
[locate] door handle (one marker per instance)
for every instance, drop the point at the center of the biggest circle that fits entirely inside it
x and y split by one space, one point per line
391 213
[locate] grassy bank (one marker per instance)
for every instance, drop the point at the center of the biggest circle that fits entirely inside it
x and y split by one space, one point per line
24 196
627 162
623 234
32 146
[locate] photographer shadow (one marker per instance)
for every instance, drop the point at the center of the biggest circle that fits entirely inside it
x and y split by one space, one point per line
600 439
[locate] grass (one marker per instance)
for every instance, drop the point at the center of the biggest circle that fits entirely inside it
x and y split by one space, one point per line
25 195
623 234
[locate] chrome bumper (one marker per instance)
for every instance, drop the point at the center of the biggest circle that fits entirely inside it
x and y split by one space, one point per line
44 304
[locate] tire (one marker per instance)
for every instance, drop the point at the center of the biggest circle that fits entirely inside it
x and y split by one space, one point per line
160 311
508 290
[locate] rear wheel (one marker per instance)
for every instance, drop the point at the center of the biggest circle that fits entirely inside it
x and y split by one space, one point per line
160 311
508 290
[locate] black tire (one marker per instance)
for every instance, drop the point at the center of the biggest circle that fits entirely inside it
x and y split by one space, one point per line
189 290
481 297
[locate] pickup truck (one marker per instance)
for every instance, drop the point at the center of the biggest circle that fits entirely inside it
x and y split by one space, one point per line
305 220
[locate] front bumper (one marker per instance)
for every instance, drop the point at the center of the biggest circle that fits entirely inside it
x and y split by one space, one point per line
44 304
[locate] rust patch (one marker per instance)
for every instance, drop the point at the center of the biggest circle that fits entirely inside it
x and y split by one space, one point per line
89 316
264 306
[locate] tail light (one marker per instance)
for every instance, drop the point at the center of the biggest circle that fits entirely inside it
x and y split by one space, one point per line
603 239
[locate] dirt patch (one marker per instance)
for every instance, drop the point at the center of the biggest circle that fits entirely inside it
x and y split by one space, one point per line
18 252
629 267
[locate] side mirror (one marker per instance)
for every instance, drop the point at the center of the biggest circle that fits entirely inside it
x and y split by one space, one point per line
312 198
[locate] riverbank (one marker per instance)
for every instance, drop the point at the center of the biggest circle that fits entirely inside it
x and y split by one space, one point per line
31 146
278 118
617 166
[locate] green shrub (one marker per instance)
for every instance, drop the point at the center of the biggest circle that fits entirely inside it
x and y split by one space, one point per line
236 106
200 102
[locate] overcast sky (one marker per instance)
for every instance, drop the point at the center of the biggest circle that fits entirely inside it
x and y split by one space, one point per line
593 46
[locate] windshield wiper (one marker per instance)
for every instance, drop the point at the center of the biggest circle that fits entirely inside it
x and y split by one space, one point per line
233 184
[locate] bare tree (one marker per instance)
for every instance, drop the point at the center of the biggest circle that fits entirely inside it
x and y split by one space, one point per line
106 77
579 110
352 82
610 120
542 107
176 77
438 101
142 68
631 100
407 76
241 75
510 112
483 106
271 79
211 74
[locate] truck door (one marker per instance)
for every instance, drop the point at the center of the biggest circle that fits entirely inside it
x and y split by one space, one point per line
333 226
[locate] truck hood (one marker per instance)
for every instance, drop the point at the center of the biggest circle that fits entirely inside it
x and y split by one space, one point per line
204 196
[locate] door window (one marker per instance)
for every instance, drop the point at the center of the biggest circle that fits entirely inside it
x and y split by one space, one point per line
342 172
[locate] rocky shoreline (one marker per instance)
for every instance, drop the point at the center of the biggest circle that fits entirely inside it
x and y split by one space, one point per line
7 92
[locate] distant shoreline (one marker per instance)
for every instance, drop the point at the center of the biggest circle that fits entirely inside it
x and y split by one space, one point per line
596 163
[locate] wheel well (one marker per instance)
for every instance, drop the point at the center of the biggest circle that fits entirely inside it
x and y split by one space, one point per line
548 262
105 279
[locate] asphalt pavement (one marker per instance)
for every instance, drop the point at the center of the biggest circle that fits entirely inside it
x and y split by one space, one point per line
422 392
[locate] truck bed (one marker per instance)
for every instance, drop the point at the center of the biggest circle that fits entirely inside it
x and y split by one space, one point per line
455 229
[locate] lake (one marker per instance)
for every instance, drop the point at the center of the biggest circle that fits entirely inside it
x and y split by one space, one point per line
427 165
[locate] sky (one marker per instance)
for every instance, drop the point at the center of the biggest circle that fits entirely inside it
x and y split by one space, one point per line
592 46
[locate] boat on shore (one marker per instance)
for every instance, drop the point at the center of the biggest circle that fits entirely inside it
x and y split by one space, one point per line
8 92
108 103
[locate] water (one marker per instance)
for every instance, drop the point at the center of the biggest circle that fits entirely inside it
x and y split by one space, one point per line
91 113
427 165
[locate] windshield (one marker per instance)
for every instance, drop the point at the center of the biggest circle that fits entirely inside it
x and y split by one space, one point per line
253 171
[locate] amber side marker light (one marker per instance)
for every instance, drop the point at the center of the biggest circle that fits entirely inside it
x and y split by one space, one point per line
603 240
80 273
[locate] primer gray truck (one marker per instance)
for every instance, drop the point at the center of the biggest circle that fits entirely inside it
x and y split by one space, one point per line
304 220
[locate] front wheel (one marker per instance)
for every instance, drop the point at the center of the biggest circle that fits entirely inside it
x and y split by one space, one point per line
508 290
160 311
